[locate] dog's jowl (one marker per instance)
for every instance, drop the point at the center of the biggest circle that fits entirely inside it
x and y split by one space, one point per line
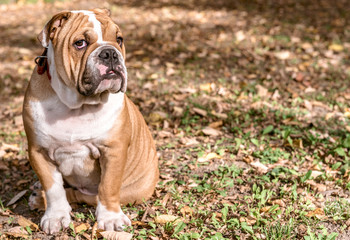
82 130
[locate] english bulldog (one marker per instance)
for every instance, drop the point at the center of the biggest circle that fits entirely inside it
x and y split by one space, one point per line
82 130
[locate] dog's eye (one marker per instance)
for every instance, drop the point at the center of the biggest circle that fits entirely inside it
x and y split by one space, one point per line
120 41
80 44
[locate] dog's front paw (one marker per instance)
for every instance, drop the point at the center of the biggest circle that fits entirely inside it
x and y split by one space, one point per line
54 221
110 220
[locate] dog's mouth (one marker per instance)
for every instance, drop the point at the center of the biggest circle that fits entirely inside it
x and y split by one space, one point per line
112 79
105 72
114 73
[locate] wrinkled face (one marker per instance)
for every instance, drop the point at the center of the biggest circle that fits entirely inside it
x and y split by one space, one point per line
89 51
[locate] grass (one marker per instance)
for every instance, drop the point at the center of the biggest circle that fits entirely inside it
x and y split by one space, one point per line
280 231
279 166
338 209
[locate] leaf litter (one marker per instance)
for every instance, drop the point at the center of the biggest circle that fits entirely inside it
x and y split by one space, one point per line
248 102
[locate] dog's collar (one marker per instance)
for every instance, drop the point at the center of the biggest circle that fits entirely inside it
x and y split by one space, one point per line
43 65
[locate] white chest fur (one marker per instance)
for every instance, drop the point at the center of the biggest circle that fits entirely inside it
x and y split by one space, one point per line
72 136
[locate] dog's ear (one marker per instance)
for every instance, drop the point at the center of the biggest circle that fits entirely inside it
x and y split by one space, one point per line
52 27
104 11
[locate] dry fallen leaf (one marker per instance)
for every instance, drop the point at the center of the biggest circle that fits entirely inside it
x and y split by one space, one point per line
188 141
248 159
2 153
262 91
278 202
216 124
240 36
10 147
16 198
94 231
165 199
170 71
112 235
207 87
17 232
306 46
299 77
336 47
81 227
154 238
186 210
283 55
3 167
187 90
347 112
208 157
318 213
249 220
317 186
259 166
296 143
139 223
265 209
211 131
163 219
178 111
5 212
164 134
156 117
315 174
148 85
24 222
22 181
200 111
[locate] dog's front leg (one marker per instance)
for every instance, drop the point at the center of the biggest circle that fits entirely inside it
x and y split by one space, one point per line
57 214
109 213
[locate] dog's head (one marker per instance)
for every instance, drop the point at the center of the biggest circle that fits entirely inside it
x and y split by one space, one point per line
86 55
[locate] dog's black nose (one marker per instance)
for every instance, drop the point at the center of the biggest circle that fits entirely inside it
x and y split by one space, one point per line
108 55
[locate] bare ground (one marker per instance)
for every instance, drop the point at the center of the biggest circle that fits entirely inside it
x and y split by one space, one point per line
248 103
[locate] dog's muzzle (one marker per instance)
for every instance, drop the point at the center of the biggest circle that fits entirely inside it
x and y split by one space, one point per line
105 71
